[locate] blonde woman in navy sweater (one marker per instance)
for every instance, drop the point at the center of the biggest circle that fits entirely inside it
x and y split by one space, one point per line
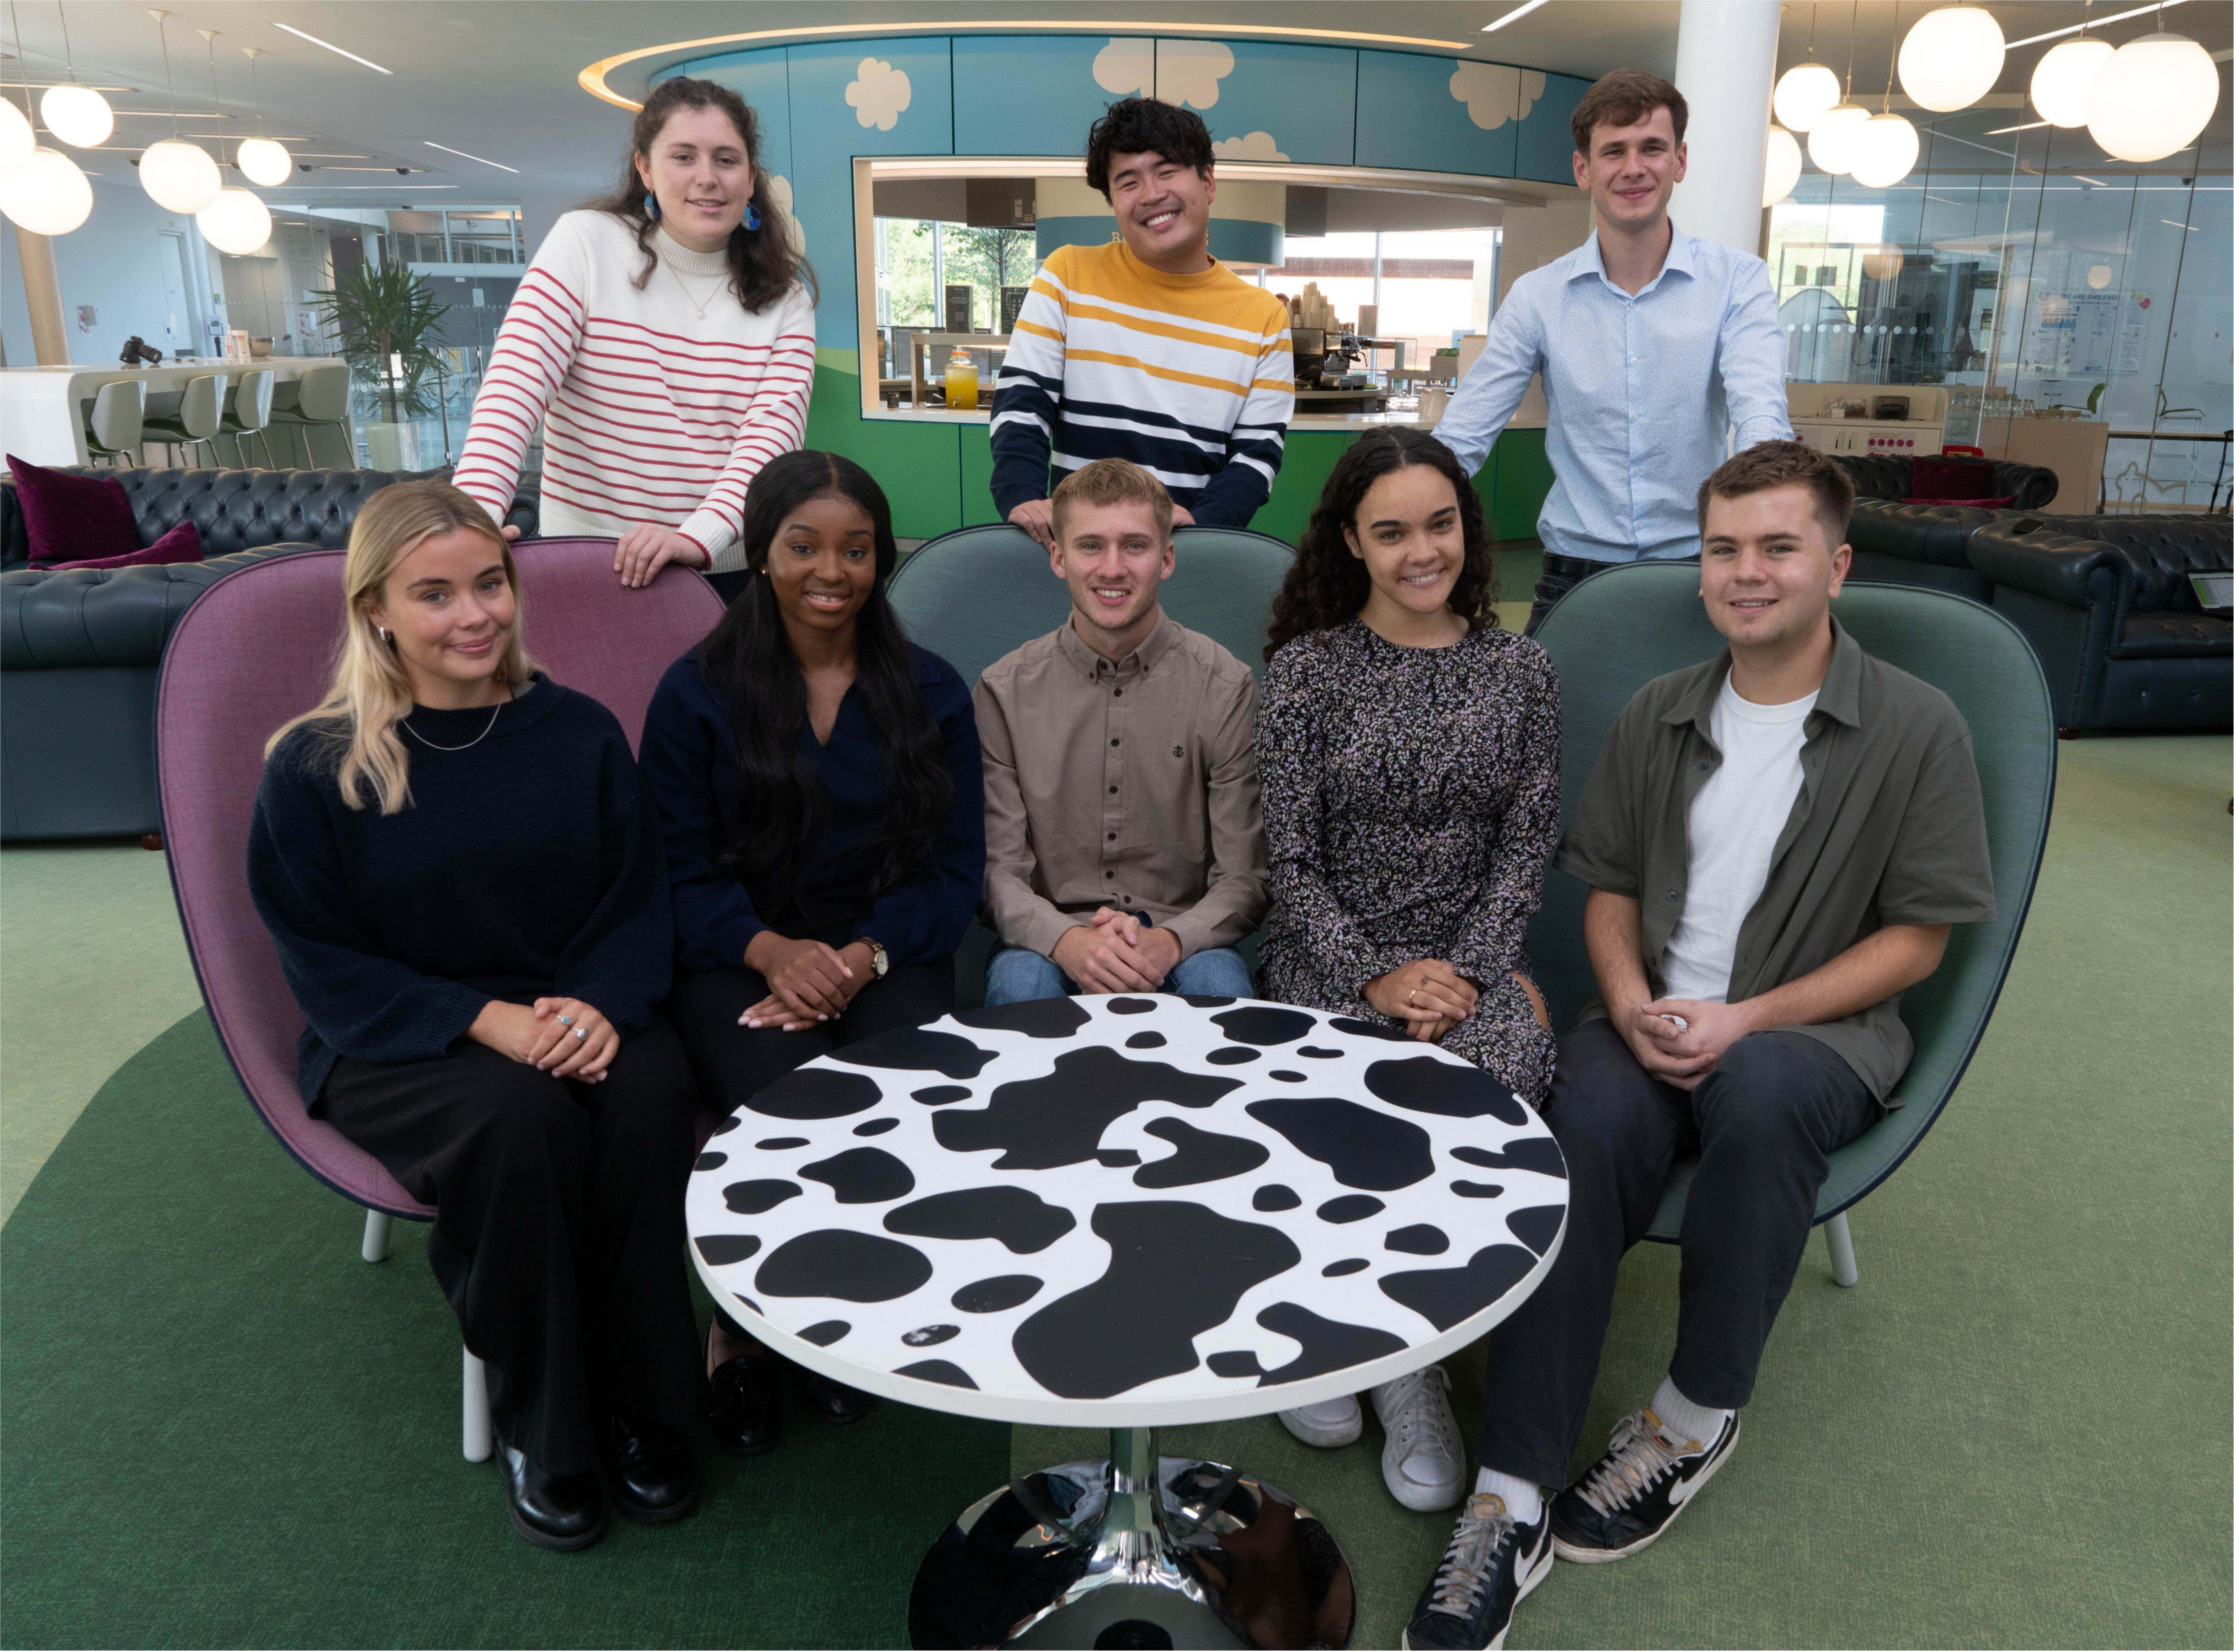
463 878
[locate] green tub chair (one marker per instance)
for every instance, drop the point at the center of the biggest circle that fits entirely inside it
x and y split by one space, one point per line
1615 632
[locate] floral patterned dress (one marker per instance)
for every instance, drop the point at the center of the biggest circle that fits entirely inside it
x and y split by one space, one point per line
1411 803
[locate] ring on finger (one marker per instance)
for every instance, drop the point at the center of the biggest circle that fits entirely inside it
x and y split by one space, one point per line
582 1032
566 1020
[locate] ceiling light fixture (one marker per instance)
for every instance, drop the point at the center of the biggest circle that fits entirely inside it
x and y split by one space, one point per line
1780 171
18 140
2153 98
2028 126
447 150
1885 149
1830 141
237 221
2076 28
178 176
44 193
261 159
1951 58
331 47
78 115
1807 90
1518 12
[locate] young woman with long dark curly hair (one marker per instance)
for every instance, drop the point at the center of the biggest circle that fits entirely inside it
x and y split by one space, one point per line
663 342
823 810
1408 751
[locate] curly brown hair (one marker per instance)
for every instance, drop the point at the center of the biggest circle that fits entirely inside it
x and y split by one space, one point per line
1327 584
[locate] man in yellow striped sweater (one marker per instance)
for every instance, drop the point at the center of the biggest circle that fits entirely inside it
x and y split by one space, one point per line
1146 348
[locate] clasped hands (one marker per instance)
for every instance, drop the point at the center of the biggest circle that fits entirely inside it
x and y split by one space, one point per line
560 1035
1115 951
1430 997
1682 1058
808 982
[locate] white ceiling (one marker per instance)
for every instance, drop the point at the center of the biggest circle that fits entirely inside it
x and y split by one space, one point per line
497 78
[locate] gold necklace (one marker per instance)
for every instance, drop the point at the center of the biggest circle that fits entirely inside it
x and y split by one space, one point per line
697 304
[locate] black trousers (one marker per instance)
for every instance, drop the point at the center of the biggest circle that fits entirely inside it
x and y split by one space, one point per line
558 1233
736 1062
1762 1123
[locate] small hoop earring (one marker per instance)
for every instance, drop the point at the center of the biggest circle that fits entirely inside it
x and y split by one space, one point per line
651 206
752 216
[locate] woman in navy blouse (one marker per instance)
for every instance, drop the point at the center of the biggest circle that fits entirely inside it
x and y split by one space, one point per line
823 810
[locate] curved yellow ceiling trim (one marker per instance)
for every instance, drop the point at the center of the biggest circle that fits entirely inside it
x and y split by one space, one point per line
593 78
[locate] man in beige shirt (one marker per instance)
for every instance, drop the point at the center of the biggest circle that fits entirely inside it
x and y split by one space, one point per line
1124 839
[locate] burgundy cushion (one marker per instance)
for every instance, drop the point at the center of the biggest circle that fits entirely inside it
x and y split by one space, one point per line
1970 504
73 516
182 544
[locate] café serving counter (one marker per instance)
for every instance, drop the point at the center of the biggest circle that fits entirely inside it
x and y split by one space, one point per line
43 409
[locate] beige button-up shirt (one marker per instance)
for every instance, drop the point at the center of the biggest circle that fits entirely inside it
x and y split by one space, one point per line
1131 785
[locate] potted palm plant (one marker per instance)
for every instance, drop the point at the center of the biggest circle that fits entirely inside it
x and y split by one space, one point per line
385 315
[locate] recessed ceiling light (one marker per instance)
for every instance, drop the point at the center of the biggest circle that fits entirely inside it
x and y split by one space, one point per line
2092 23
331 47
2176 224
1518 12
2028 126
398 170
447 150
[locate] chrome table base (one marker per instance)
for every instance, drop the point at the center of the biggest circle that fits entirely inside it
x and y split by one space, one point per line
1140 1550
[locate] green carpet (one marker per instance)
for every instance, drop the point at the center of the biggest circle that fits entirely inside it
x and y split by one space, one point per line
221 1427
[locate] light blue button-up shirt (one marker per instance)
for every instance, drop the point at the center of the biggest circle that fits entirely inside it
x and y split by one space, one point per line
1642 391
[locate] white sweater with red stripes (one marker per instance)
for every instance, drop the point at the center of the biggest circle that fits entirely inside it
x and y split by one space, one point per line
649 413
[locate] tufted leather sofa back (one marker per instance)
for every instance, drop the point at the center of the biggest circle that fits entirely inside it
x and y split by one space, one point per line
2164 550
2030 486
231 509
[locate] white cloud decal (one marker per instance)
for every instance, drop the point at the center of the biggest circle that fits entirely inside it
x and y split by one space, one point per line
779 192
1496 92
1188 71
1127 67
1257 146
878 93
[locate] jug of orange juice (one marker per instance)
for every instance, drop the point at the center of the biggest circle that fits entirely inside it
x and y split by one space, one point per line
961 380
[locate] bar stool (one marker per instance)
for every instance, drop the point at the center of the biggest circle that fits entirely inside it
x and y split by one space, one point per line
199 406
248 413
322 397
113 428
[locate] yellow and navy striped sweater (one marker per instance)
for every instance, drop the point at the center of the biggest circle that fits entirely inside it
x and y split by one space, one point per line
1189 376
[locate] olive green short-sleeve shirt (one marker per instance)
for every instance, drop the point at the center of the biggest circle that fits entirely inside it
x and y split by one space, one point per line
1889 827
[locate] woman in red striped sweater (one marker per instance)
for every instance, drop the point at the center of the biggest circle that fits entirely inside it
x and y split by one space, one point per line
664 341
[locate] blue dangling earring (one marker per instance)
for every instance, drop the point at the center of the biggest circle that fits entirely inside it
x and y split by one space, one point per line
651 206
752 216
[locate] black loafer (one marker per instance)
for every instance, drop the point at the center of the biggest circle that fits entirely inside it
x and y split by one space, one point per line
564 1513
649 1471
743 1411
829 1401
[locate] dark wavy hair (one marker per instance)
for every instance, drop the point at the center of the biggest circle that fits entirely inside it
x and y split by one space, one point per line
764 263
749 662
1144 126
1327 586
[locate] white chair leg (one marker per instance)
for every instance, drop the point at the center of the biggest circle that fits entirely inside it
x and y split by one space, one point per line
377 1223
480 1438
1840 1238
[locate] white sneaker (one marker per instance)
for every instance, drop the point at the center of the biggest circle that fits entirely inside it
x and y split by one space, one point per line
1423 1463
1336 1422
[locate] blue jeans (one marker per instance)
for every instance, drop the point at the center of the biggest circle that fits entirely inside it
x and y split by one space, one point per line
1018 976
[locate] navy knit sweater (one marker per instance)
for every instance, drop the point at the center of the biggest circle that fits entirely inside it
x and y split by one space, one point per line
526 866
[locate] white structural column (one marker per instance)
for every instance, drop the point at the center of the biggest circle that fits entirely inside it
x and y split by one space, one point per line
1725 69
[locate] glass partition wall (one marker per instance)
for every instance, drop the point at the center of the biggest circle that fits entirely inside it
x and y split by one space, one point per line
2068 304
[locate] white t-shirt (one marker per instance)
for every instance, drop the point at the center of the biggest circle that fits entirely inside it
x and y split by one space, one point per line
1734 823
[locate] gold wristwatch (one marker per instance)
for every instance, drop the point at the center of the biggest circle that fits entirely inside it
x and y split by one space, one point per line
880 960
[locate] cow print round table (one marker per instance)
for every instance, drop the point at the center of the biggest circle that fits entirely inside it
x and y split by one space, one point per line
1127 1212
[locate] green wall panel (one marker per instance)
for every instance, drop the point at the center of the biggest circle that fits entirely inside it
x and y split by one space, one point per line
917 465
1523 479
977 475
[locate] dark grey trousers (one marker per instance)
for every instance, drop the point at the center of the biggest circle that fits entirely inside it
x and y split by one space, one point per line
1762 1124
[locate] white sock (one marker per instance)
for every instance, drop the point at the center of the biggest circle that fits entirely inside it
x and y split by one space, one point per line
1685 1419
1524 1499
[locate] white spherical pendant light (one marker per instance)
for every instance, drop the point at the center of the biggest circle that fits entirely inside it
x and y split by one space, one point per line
1952 58
2063 81
1885 151
1884 263
17 140
179 176
1803 95
264 161
1782 170
2152 98
236 222
2100 276
78 115
48 195
1831 144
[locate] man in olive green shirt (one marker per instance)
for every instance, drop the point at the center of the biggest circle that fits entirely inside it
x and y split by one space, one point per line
1776 844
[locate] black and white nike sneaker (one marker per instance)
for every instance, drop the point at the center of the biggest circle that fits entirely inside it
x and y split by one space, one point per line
1491 1564
1635 1491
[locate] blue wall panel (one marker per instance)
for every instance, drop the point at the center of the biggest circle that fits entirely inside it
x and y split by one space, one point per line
763 80
1296 103
1434 114
1546 147
1031 94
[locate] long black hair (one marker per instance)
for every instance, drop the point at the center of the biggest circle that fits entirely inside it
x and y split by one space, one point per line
1327 585
764 263
749 661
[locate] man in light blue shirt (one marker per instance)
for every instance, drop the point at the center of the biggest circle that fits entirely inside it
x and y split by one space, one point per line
1652 345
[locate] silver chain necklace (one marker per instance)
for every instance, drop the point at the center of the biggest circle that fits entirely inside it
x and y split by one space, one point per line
468 745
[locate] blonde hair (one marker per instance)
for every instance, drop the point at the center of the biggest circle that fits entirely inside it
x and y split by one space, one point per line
1112 481
356 722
